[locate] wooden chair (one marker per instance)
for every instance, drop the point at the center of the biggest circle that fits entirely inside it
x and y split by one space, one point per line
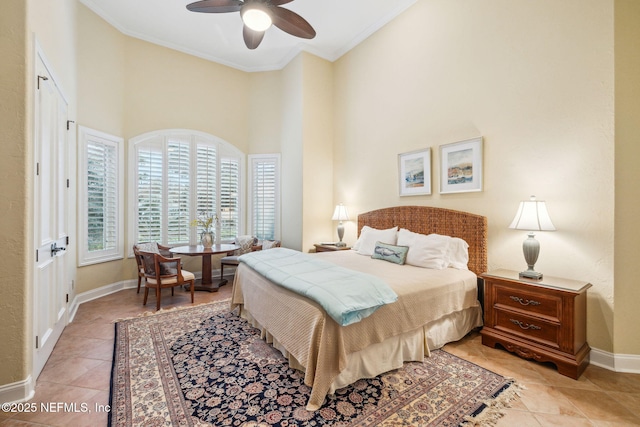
161 272
232 260
145 246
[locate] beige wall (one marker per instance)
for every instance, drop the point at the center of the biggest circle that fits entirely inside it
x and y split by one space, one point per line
536 81
14 203
317 159
292 153
128 87
627 211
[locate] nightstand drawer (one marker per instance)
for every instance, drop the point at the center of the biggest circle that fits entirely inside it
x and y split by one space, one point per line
529 302
530 328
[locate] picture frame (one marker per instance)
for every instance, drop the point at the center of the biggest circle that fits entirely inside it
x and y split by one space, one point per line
461 166
414 172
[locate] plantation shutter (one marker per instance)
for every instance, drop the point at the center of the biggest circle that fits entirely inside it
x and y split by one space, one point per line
178 191
102 186
229 198
150 191
206 161
265 197
181 176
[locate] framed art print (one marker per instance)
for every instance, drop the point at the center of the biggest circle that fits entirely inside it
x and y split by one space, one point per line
414 170
461 166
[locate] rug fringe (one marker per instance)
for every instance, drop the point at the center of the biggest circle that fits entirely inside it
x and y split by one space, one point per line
169 310
494 408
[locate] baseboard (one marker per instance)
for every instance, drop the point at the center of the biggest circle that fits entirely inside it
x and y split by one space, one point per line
626 363
20 391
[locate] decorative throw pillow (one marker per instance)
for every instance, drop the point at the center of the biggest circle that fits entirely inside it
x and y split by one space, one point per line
391 253
268 244
369 236
245 243
425 251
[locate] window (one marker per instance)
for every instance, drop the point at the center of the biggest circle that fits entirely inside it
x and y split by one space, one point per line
100 197
178 176
264 196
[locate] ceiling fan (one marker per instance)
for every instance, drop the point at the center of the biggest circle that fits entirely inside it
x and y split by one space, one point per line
258 16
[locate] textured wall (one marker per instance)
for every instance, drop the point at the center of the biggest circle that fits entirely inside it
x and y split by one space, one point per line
535 79
13 191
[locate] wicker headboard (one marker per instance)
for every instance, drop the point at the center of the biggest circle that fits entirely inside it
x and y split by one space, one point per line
426 220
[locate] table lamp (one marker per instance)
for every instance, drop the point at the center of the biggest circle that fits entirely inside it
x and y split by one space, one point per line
532 215
340 214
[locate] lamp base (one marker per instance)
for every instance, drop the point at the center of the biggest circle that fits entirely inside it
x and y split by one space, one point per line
531 275
341 244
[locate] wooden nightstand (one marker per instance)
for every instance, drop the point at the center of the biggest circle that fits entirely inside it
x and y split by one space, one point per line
328 248
541 320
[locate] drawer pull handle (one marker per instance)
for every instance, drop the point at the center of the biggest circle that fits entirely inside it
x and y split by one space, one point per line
525 325
524 301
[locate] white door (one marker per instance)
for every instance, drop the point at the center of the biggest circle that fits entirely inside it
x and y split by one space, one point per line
50 215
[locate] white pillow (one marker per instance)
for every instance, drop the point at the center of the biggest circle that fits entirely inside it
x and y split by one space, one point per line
366 244
458 254
425 251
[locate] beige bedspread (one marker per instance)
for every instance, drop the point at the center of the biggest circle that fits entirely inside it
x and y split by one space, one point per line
319 344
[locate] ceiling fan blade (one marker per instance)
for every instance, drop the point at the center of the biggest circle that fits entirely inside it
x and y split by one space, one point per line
292 23
215 6
279 2
252 38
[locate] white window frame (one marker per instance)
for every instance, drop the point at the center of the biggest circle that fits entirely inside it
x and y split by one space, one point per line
225 150
254 158
86 257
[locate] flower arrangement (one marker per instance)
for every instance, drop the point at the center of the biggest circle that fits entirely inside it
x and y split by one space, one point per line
206 221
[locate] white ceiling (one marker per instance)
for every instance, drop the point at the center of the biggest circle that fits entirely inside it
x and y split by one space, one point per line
340 25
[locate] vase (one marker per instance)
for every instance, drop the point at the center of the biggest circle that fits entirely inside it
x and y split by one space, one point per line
206 239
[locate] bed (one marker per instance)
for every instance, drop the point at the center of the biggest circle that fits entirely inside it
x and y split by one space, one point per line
434 306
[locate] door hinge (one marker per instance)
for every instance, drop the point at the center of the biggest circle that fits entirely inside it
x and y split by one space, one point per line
38 168
36 255
67 182
67 297
68 123
67 240
36 341
44 78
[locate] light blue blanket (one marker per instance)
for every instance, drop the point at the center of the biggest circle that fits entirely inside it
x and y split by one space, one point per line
347 296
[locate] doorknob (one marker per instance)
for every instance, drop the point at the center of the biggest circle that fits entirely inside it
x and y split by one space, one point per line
55 249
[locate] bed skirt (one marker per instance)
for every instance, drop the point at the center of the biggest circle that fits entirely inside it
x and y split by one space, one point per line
393 352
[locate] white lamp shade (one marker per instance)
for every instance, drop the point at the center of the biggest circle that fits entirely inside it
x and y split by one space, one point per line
256 18
340 213
532 215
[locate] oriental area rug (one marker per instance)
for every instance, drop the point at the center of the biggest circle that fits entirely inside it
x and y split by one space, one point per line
206 366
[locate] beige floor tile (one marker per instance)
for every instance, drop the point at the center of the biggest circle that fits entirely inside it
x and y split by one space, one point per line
515 418
80 367
549 420
547 400
599 406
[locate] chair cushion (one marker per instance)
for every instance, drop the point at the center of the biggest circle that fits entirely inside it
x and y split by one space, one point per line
229 260
186 275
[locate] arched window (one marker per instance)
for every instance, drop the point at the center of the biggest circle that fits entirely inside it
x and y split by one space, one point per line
179 175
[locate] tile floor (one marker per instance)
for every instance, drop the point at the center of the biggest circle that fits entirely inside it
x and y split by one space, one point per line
80 366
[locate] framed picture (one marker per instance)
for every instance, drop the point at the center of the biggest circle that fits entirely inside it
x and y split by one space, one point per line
461 166
414 170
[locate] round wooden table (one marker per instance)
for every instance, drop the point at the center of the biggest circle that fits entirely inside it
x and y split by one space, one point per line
206 283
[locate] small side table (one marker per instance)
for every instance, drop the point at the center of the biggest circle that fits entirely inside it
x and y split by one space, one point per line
541 320
328 248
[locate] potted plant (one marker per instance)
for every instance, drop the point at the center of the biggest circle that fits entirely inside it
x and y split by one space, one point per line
207 223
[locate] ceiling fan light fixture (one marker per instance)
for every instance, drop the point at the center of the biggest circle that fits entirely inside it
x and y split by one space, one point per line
256 17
